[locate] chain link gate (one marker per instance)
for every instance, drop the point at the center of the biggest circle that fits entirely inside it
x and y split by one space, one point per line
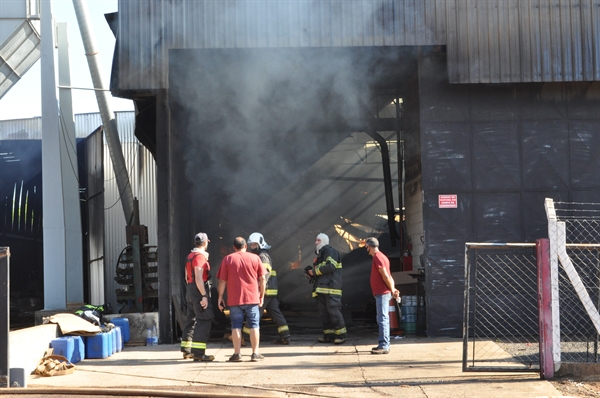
500 329
574 234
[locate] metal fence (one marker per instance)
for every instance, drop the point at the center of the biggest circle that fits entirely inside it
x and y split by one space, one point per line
501 307
579 296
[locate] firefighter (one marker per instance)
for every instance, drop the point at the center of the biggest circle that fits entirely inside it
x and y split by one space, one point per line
326 275
258 245
196 330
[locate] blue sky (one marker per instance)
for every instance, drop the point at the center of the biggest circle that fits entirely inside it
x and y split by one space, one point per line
23 100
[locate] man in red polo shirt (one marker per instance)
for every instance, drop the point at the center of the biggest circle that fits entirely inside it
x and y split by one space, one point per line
243 275
383 288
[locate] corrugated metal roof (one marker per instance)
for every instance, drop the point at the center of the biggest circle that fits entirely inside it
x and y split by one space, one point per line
148 29
488 41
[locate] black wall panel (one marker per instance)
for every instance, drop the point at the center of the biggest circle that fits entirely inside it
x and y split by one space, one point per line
497 216
496 156
502 106
584 143
446 156
583 101
520 144
447 231
542 102
545 149
535 225
442 314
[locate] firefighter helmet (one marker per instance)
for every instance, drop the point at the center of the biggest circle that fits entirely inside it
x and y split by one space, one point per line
256 237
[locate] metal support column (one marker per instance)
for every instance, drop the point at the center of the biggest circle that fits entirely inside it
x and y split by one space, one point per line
137 273
4 317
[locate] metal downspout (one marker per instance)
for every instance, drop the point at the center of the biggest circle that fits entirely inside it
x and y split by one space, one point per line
387 182
108 117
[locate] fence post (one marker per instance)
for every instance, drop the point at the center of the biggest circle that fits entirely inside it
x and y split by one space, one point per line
557 238
545 308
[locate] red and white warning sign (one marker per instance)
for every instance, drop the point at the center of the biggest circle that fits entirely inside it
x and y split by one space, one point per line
448 201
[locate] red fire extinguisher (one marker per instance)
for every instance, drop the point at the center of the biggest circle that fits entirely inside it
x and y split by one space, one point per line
395 314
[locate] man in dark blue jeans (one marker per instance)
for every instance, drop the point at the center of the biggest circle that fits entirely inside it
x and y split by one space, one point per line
383 287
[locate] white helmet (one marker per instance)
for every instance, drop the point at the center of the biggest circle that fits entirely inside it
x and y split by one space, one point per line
256 237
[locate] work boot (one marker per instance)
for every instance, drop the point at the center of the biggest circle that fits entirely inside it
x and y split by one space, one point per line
325 340
205 358
339 340
187 355
282 340
379 350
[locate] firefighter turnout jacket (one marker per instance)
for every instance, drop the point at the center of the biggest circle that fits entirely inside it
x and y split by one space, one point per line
271 276
327 269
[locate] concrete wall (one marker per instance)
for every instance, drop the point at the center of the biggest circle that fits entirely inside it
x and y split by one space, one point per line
27 346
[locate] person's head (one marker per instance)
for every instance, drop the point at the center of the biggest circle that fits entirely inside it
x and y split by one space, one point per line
372 245
256 243
239 244
322 240
201 240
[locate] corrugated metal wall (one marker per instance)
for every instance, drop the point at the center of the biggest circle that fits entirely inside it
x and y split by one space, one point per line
22 129
93 181
142 174
148 29
503 41
489 41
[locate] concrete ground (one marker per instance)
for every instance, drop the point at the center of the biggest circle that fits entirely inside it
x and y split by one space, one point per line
416 367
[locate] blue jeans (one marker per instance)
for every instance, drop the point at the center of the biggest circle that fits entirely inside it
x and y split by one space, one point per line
382 302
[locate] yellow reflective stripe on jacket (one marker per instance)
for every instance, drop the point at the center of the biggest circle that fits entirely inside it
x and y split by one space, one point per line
325 290
271 292
273 272
331 260
267 266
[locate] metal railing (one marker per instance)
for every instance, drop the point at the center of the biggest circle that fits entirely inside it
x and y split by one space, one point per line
500 327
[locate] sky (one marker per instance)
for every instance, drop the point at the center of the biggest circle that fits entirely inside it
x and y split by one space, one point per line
23 100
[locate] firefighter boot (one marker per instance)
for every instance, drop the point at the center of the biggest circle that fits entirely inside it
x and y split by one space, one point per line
285 340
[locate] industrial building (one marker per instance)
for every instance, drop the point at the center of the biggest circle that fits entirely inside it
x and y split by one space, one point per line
425 123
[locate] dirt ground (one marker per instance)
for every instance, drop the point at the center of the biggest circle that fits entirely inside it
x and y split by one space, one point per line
574 388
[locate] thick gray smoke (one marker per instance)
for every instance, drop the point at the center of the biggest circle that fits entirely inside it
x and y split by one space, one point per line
253 120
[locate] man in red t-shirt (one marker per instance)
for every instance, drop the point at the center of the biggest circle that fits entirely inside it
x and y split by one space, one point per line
383 287
243 275
196 330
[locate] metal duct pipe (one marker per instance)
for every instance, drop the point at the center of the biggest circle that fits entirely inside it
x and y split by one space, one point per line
108 117
387 182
